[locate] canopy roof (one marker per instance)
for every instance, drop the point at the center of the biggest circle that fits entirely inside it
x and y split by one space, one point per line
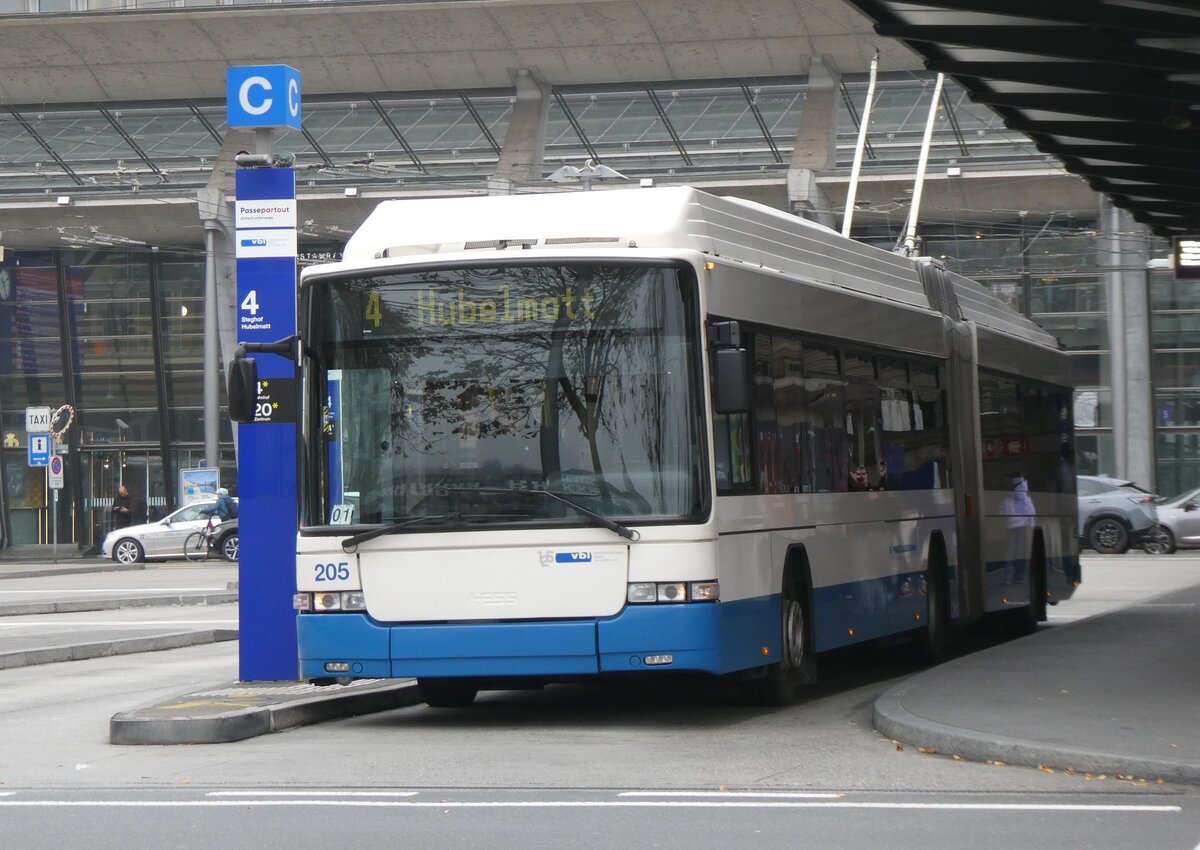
1110 87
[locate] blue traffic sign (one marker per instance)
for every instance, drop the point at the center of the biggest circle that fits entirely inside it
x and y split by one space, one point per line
263 96
39 449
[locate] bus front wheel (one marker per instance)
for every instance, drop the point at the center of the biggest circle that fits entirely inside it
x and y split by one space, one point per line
780 681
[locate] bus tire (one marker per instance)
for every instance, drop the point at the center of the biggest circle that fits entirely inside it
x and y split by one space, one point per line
931 643
779 682
447 693
1025 621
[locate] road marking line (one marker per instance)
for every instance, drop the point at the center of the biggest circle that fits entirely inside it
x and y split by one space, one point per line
120 624
311 794
596 804
760 794
164 590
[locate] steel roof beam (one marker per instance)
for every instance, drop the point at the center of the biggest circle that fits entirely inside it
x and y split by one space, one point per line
1150 191
44 145
1128 154
1099 14
1141 174
1076 43
1148 110
1068 75
1118 133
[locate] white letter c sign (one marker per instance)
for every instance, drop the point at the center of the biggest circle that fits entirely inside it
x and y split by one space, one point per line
244 95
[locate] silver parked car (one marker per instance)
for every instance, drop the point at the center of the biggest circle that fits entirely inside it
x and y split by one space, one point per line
164 538
1114 514
1178 525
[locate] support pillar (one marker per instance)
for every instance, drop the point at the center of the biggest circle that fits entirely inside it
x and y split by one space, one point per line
522 151
815 149
220 283
1130 348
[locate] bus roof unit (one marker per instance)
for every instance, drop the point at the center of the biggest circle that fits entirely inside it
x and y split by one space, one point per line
670 218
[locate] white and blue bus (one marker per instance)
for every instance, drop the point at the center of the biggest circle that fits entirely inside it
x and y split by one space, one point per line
565 435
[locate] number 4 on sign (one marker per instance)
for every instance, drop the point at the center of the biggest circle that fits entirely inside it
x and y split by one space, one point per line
250 302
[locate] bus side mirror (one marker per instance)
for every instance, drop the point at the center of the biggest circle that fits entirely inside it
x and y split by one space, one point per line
243 389
731 371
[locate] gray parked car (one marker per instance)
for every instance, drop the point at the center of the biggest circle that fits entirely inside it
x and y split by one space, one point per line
164 538
1114 514
1178 525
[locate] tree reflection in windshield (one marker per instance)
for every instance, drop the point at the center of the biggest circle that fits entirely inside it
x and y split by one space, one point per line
578 379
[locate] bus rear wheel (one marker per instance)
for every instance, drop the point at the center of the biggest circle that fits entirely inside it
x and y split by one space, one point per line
1024 621
447 693
781 681
931 643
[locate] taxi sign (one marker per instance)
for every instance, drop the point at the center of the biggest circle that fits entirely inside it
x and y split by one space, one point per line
37 420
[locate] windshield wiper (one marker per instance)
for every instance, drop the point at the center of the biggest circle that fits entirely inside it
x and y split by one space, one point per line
351 543
601 520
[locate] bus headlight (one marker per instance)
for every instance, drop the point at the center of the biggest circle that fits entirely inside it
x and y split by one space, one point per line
327 602
672 592
346 600
642 592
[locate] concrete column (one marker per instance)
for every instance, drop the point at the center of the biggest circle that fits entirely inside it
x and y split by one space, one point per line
215 207
815 149
523 147
1130 348
1110 216
1139 387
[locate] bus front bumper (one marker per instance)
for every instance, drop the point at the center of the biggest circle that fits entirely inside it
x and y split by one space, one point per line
715 638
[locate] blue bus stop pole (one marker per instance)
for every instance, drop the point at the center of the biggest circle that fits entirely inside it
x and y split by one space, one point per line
266 98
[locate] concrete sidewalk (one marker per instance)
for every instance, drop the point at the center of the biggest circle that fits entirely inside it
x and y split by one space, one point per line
1117 694
32 632
227 712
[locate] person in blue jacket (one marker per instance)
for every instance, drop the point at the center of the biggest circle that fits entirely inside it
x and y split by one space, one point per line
222 508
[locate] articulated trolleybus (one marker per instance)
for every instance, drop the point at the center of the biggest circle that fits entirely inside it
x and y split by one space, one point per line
623 432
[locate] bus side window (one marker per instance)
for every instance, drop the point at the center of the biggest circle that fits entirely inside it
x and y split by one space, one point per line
732 431
731 444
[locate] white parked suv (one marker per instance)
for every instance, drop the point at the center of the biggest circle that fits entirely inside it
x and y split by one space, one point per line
1114 514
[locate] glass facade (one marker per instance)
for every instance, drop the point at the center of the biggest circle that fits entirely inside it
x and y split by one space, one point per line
116 337
444 139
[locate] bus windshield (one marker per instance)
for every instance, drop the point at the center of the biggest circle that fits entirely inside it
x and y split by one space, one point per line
445 394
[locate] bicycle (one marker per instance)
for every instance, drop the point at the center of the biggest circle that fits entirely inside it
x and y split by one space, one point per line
199 544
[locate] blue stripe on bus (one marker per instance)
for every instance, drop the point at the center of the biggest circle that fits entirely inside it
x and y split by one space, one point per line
494 649
352 638
714 638
850 613
1006 583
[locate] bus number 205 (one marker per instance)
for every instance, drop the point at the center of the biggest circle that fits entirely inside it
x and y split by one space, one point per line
332 572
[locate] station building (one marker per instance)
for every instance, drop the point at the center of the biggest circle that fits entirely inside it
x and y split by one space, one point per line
116 189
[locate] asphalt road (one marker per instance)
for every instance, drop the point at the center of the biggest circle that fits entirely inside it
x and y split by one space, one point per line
568 766
604 818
